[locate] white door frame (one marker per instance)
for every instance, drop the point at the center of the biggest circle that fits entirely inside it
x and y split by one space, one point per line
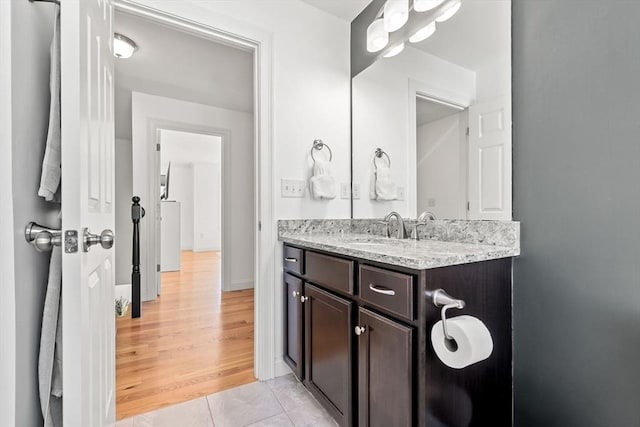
7 279
225 166
418 88
189 17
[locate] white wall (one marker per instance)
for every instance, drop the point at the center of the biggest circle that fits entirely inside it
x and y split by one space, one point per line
494 79
181 190
124 226
207 214
25 37
442 166
382 117
311 87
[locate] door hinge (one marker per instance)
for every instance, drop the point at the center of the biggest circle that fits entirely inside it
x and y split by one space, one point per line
158 268
259 225
158 147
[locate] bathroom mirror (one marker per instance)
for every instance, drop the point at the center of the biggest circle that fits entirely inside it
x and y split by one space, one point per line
440 113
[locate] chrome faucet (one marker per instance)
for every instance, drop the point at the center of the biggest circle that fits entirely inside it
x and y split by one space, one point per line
402 232
421 221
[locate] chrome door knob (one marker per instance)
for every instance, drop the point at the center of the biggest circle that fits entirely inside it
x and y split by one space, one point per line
45 241
360 330
105 239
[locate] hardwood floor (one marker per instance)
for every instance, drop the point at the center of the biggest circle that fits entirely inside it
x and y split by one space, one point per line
192 341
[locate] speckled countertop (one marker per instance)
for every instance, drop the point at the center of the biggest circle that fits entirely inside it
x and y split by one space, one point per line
419 255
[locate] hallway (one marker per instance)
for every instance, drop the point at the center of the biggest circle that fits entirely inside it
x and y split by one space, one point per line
192 341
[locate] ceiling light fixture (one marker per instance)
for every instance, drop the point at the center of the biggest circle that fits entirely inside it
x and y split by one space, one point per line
123 46
423 33
449 11
424 5
377 37
394 50
396 14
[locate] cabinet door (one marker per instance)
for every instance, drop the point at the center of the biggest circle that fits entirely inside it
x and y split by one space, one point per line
328 342
293 326
385 372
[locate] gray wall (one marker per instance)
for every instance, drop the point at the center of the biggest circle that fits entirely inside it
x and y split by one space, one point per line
32 28
576 66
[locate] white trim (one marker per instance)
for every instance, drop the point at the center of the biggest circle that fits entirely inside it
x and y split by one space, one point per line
243 35
238 286
445 96
7 266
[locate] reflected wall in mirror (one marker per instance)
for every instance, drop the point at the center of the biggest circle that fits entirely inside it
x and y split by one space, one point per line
441 111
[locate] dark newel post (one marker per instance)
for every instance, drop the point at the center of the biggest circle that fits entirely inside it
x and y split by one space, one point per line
137 212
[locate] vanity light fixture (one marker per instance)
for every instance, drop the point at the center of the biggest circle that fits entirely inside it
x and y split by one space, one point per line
377 36
424 5
394 50
123 46
396 14
423 33
449 11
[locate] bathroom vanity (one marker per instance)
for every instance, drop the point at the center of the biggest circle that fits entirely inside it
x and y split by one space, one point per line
358 315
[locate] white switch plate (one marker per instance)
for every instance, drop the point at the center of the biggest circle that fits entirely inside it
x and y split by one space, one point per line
400 193
293 188
356 191
344 190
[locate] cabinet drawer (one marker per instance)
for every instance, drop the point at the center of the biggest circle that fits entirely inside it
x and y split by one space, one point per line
388 290
293 259
332 272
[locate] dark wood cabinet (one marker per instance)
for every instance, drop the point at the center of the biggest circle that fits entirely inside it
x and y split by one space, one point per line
386 373
293 325
328 342
386 394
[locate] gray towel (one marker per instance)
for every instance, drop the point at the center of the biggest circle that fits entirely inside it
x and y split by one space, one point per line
50 357
50 178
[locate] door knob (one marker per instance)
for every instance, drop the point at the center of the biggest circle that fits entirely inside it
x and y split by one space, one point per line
45 241
105 239
360 330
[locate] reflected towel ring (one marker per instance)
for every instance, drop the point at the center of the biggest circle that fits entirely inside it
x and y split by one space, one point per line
378 155
319 145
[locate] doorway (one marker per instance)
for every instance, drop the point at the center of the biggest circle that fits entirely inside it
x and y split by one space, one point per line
193 110
441 158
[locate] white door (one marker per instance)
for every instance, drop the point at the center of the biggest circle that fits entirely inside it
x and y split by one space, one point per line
88 325
490 160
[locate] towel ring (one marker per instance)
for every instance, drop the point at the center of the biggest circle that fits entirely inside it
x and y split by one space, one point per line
319 145
378 155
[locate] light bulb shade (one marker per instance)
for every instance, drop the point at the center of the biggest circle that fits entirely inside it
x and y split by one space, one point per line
123 47
377 37
423 33
424 5
394 51
396 14
449 11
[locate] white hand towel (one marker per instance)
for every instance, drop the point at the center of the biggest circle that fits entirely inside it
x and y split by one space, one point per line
50 357
50 178
323 184
384 188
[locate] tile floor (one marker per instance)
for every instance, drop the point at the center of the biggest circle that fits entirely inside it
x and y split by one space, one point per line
279 402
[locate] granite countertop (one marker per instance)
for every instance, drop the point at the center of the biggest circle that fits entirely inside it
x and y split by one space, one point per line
416 254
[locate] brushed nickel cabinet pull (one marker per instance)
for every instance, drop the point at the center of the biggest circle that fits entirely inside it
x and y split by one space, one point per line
291 259
380 290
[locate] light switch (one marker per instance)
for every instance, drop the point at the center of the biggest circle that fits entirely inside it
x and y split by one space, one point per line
344 190
293 188
356 191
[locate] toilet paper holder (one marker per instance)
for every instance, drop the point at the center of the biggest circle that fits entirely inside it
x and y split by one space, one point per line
442 299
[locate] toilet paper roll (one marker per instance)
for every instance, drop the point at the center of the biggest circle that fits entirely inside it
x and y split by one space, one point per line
471 336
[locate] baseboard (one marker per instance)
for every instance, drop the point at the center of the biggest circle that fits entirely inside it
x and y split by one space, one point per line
238 286
206 249
281 367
